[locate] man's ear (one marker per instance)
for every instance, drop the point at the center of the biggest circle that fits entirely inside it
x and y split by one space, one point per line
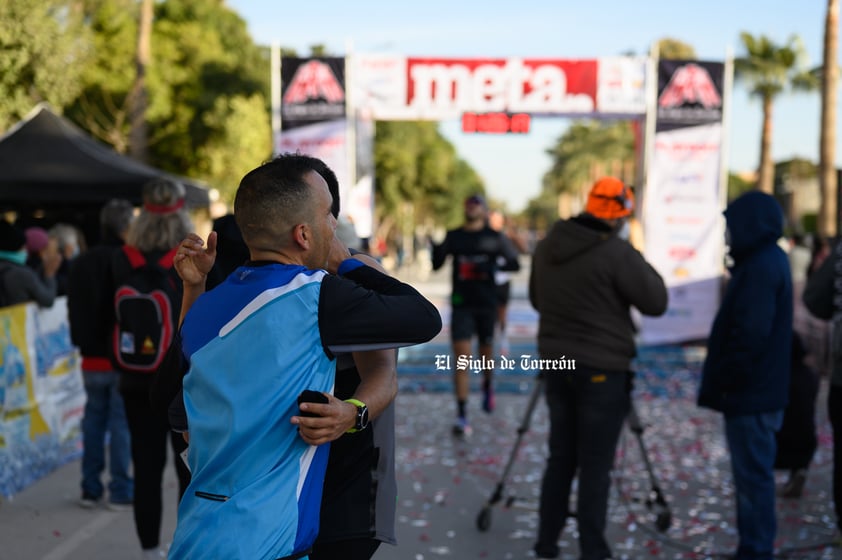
302 236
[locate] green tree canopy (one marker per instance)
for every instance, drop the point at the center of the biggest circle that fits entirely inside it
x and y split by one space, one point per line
44 49
101 107
208 88
416 166
674 49
587 149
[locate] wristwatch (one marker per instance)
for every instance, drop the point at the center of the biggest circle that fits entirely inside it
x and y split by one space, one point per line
362 416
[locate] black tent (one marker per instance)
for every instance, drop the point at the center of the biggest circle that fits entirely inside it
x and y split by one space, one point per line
45 160
51 171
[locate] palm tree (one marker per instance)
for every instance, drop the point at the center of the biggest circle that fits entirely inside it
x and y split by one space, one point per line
768 69
828 213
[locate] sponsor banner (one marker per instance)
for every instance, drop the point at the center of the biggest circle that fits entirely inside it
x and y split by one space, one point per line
42 396
358 205
682 214
689 93
621 85
313 121
326 141
692 309
312 90
683 230
400 88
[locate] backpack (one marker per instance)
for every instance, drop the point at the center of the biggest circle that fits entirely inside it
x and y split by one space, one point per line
143 309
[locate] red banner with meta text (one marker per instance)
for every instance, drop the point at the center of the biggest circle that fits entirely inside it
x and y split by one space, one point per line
418 88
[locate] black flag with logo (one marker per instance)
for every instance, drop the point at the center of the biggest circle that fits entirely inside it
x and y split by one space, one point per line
312 90
689 93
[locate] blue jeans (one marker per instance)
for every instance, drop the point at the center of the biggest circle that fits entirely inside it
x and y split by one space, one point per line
104 412
751 443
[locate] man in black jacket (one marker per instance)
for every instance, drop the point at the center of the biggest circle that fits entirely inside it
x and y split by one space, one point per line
584 280
91 316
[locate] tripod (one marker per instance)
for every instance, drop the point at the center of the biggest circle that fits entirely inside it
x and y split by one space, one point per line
655 500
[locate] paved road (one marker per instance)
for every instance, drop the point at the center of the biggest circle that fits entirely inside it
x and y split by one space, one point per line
444 483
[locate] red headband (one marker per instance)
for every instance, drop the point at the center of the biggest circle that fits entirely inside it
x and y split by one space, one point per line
163 208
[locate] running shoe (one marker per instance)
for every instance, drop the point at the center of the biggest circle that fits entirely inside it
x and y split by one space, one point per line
462 428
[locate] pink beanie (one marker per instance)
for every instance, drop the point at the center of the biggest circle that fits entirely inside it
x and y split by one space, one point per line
36 239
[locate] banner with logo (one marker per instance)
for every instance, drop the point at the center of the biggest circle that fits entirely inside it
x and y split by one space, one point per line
42 396
327 141
403 88
312 91
682 210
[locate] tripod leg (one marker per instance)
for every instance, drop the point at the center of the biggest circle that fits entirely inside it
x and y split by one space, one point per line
663 514
525 423
483 521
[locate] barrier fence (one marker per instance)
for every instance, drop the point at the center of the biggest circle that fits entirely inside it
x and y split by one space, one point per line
42 395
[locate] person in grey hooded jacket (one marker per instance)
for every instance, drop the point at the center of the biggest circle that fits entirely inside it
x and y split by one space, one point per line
584 280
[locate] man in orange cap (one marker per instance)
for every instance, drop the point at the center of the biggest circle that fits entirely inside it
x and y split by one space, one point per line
584 280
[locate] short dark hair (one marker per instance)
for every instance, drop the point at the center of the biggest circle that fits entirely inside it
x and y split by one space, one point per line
273 198
332 182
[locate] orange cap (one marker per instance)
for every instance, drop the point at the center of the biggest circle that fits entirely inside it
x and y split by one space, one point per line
609 199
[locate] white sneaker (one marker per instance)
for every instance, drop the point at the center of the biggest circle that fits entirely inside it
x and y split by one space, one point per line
88 501
153 554
119 506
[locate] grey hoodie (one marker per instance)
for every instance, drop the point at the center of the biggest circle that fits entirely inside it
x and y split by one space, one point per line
583 282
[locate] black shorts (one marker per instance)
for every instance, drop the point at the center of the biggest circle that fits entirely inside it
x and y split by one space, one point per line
503 291
465 322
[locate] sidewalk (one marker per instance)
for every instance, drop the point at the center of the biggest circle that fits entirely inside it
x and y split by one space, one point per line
45 522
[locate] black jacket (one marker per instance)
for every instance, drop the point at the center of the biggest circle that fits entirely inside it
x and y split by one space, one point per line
477 255
746 369
90 299
583 282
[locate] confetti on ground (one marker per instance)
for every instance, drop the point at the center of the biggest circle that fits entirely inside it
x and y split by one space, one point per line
445 482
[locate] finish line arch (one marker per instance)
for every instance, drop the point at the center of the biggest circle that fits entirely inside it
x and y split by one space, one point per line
326 106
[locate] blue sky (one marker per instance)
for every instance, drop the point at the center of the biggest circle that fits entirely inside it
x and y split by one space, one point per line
512 165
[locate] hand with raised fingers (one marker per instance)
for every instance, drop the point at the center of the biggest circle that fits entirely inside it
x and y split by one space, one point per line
193 261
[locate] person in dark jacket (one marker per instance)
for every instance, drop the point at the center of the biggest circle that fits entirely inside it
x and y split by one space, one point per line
584 280
823 298
20 283
797 439
747 369
155 233
91 314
